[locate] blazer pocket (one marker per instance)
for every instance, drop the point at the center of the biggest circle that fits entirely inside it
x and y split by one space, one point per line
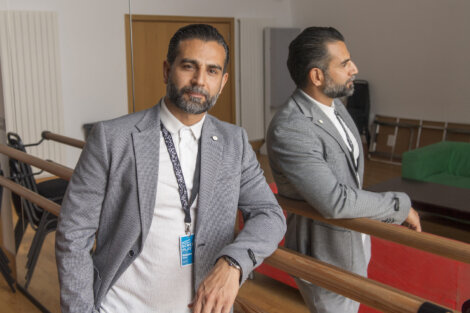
333 246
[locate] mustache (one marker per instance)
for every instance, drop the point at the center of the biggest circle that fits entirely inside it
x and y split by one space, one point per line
352 79
196 89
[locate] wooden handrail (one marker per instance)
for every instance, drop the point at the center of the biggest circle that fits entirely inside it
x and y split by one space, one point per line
63 139
246 305
53 168
366 291
44 203
448 248
371 293
353 286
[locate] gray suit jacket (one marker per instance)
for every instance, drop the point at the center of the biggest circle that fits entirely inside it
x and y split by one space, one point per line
111 198
310 161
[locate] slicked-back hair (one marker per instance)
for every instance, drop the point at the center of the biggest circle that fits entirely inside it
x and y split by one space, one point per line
308 50
202 32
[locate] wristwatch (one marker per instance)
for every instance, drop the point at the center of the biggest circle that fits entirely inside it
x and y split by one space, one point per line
231 262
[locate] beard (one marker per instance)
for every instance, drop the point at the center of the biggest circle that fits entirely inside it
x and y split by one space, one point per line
194 105
334 90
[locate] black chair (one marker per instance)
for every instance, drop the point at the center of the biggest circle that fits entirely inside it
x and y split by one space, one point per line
4 267
358 106
29 213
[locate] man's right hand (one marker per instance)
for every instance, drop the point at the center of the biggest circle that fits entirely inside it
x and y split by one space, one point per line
218 291
412 221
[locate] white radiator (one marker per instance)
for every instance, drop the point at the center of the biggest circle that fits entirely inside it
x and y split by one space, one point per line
30 68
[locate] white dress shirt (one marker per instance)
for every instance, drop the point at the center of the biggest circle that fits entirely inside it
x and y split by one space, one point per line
155 281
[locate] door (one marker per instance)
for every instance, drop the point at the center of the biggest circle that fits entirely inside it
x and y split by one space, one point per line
151 35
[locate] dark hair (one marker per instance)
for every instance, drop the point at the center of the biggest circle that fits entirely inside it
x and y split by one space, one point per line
203 32
308 50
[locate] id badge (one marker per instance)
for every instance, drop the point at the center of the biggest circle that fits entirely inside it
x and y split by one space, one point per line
186 250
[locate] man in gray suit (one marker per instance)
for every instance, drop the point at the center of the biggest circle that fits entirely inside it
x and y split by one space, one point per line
158 191
315 153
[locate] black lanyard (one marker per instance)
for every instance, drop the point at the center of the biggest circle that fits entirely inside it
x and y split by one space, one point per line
183 192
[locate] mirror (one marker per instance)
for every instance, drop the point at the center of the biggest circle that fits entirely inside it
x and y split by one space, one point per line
66 64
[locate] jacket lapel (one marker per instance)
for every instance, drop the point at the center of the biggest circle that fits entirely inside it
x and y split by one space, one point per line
353 128
146 140
212 145
310 110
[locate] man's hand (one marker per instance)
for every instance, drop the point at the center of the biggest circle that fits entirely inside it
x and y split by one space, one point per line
412 221
218 291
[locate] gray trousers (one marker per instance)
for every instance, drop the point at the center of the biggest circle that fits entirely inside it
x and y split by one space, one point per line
320 300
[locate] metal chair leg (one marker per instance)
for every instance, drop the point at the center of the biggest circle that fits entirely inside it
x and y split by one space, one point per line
6 271
45 228
20 229
34 243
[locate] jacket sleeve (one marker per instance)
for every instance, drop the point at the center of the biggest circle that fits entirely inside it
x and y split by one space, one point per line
297 155
78 223
265 223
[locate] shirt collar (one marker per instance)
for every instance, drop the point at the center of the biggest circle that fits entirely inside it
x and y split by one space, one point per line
326 109
173 125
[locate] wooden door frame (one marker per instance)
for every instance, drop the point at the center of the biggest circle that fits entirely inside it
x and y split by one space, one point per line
182 19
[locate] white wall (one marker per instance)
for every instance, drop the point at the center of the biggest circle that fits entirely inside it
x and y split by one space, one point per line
92 48
415 54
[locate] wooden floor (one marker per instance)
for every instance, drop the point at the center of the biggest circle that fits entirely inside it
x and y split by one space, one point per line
267 294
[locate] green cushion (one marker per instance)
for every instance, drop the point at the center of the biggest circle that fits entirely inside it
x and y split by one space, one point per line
445 162
459 163
421 163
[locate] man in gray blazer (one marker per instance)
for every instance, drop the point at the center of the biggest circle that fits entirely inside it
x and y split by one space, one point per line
157 193
315 153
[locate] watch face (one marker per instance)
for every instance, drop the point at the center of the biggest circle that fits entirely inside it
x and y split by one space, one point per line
231 262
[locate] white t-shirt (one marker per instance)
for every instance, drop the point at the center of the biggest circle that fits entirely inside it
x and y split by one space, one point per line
155 281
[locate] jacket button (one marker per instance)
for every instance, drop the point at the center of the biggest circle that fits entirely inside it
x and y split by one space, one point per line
131 253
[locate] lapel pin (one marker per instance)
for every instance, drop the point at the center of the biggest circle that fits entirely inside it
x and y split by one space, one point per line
215 138
321 121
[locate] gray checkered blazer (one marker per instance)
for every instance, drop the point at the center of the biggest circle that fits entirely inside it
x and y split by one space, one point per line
111 198
310 161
